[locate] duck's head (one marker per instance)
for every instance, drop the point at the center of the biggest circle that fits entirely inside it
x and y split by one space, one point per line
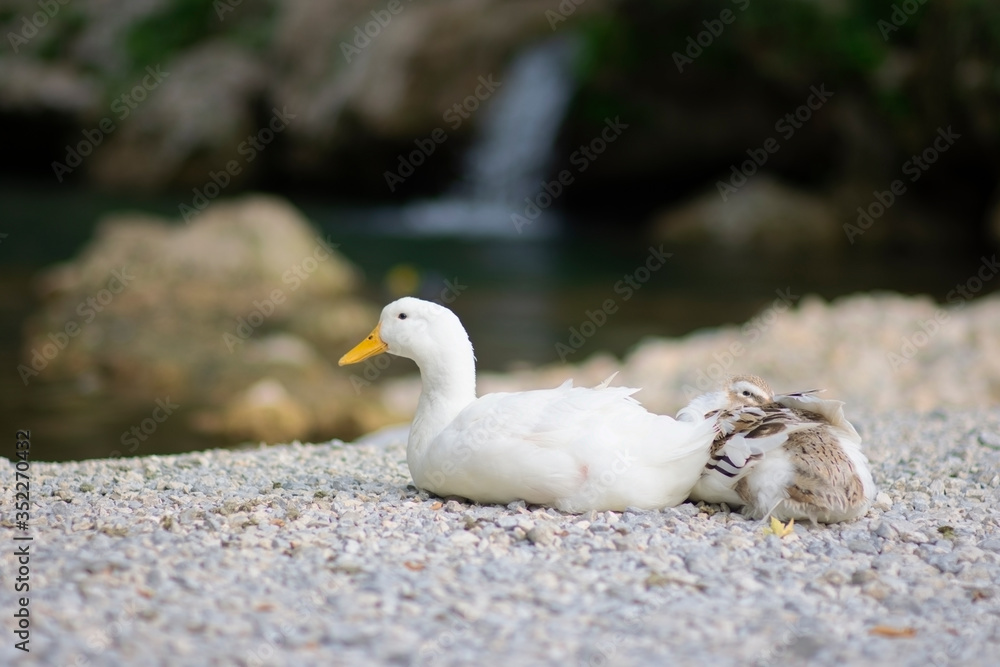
748 390
411 328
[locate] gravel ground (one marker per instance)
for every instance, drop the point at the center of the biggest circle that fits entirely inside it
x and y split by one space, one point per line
323 554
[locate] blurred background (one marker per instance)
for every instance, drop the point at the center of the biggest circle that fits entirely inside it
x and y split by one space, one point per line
204 204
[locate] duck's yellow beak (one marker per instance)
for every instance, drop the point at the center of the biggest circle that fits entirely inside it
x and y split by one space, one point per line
369 347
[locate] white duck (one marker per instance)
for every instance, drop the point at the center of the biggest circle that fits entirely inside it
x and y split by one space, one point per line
572 448
791 456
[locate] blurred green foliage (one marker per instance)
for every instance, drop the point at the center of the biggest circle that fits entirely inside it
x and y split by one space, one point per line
917 62
843 41
70 23
178 25
182 24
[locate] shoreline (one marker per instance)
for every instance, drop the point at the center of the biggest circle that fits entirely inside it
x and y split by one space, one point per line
324 553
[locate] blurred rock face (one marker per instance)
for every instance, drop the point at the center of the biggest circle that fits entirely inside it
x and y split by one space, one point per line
878 352
161 93
239 311
383 71
767 215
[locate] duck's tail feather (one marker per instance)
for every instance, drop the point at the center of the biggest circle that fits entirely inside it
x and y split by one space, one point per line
799 394
607 382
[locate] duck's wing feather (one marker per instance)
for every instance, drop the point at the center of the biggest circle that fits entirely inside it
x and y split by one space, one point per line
544 445
832 410
745 434
846 435
577 418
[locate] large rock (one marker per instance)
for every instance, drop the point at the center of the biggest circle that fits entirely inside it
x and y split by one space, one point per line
877 352
200 312
763 213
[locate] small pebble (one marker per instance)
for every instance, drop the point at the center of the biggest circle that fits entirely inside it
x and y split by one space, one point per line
990 439
542 534
882 501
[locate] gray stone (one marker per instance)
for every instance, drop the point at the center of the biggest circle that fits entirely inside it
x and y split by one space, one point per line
989 439
863 547
542 534
991 544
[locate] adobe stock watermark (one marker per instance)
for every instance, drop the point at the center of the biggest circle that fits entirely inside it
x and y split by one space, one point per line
122 107
99 641
626 288
276 638
249 148
786 127
454 116
598 482
767 657
30 25
635 621
901 13
430 654
88 310
953 653
147 427
696 44
957 298
294 277
563 11
223 7
484 430
708 379
914 168
581 158
364 34
373 367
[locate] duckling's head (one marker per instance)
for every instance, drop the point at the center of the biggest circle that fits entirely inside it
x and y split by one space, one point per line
748 390
412 328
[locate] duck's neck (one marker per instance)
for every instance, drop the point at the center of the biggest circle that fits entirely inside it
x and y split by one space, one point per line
702 405
449 385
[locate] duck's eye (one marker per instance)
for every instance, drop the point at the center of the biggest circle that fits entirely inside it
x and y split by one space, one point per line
746 392
402 316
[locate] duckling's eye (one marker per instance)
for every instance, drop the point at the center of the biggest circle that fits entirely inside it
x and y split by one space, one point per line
402 316
746 392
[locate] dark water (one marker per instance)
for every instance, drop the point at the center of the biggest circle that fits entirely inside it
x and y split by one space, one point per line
524 301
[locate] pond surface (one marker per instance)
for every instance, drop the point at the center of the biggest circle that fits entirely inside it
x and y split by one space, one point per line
525 300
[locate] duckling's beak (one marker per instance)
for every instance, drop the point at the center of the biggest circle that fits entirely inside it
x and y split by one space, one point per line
369 347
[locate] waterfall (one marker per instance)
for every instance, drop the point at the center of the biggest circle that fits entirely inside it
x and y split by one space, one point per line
511 152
